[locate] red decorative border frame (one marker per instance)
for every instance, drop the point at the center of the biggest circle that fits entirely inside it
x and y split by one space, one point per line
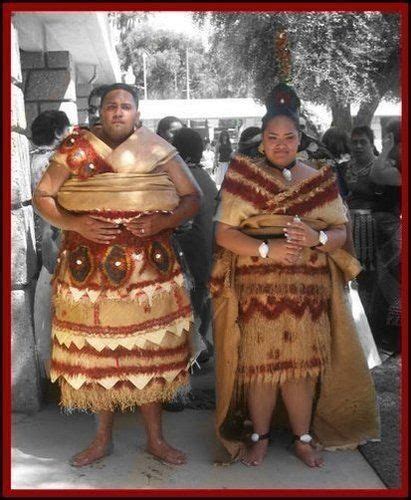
7 10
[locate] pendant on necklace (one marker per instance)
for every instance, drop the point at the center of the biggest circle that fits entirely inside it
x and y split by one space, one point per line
287 174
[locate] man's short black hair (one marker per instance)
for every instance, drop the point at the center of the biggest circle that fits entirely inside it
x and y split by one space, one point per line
189 144
120 86
45 126
165 123
363 130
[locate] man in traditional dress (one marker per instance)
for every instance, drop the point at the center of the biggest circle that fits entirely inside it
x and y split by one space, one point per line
122 316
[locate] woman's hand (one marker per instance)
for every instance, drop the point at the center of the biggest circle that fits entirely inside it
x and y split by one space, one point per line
94 228
284 252
300 233
148 225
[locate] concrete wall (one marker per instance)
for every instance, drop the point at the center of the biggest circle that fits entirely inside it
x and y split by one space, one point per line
49 83
26 391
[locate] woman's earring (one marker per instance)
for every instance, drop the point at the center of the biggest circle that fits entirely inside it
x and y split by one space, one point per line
261 148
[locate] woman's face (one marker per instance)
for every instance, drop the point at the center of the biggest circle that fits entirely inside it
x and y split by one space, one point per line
281 139
224 137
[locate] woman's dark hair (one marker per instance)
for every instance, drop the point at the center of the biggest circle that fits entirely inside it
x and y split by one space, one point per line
394 127
189 144
165 123
336 141
224 133
120 86
46 125
282 101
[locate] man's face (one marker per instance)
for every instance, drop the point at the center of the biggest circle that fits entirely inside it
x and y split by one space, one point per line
118 115
361 147
94 111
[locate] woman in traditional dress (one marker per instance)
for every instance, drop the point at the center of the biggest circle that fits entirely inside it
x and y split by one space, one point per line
121 312
338 144
386 173
282 327
362 200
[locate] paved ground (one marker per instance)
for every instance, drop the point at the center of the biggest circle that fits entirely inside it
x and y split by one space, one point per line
384 457
43 443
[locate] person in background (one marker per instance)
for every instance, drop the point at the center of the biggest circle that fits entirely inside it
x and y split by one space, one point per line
362 200
47 130
93 110
386 173
207 160
311 150
249 141
337 143
222 156
167 126
197 242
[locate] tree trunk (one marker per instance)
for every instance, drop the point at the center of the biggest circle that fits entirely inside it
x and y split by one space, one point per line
366 112
341 116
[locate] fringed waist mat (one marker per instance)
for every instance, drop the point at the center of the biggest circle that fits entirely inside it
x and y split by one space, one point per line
119 192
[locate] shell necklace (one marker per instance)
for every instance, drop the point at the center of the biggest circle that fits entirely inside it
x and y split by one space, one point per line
285 171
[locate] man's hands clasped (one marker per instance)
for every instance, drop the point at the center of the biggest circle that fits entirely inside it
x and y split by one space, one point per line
95 228
100 230
148 225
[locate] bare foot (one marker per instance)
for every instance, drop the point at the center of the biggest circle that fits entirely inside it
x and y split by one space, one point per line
308 454
166 453
256 453
99 448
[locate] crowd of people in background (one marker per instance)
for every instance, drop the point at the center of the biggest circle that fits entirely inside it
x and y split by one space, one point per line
369 183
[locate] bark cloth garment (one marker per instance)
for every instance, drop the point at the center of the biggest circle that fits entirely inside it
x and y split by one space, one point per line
121 322
273 322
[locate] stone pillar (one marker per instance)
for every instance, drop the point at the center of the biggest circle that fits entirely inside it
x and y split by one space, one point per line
49 83
83 91
26 393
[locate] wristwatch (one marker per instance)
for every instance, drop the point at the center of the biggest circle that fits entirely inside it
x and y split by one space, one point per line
323 238
263 249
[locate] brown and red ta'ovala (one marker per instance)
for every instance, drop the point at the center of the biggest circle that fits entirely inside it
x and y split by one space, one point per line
260 190
82 158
